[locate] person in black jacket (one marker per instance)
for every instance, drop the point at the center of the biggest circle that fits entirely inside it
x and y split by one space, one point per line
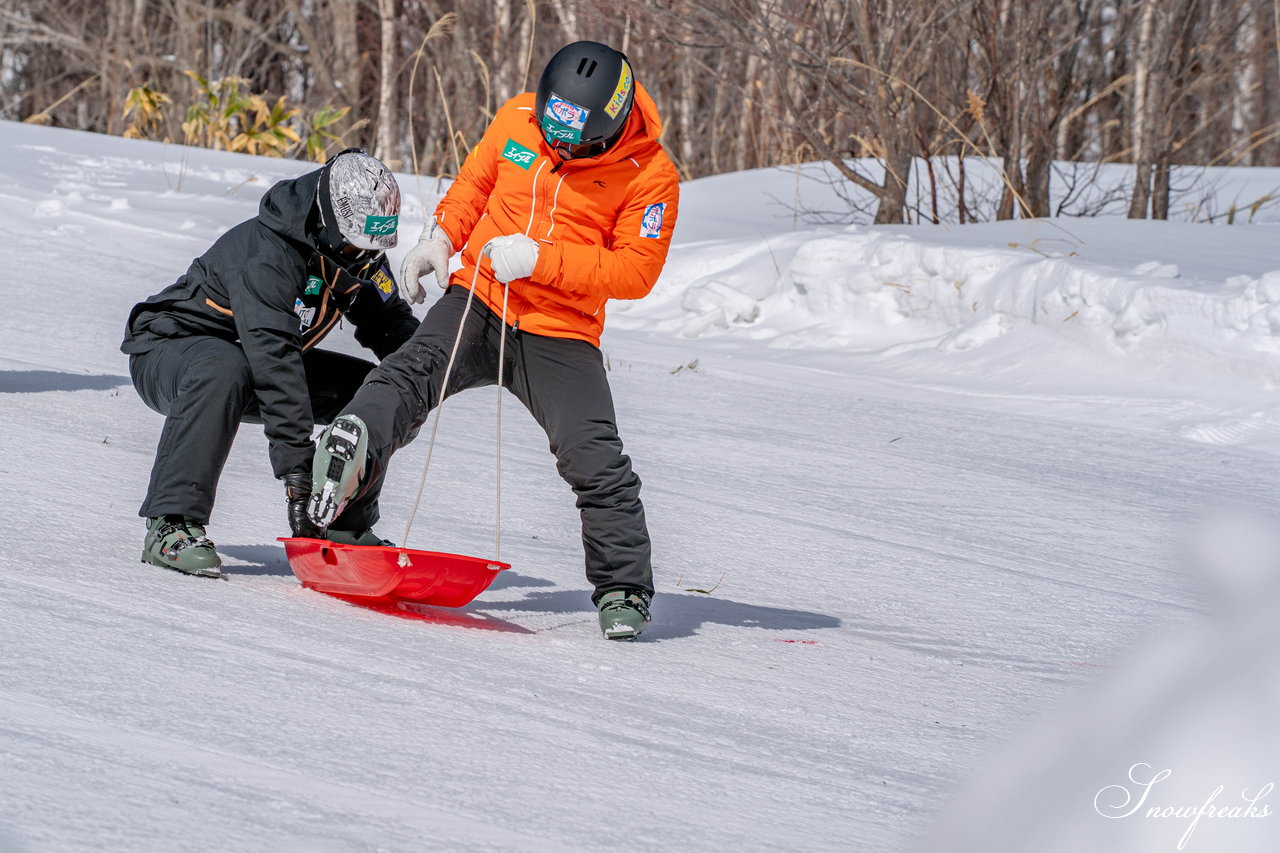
234 340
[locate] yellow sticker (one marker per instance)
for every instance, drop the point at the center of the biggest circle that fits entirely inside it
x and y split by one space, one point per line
619 94
384 283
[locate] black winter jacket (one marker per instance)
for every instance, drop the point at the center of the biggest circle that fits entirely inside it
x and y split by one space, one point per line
265 285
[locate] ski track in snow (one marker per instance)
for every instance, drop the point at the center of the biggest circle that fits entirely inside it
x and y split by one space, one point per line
922 529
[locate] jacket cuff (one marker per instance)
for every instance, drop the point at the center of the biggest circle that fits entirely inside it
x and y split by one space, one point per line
547 268
455 242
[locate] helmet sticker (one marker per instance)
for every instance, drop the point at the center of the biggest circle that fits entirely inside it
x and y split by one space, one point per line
381 225
342 207
564 120
560 133
651 225
567 112
620 93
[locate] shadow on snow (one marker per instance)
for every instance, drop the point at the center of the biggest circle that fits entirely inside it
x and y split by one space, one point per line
676 615
37 381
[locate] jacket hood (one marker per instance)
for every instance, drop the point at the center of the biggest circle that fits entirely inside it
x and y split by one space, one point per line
643 129
286 207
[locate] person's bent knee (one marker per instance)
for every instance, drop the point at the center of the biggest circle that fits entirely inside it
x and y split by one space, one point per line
596 465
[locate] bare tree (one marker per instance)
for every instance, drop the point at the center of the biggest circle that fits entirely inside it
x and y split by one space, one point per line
898 96
387 125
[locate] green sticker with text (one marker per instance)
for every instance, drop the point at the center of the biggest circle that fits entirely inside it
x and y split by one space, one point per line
381 225
314 285
518 154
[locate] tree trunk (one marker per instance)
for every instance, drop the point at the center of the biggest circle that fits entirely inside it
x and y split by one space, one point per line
748 116
1036 180
1140 118
346 51
1160 189
387 85
893 192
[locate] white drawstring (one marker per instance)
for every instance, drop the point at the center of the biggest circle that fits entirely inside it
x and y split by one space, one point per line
444 388
502 361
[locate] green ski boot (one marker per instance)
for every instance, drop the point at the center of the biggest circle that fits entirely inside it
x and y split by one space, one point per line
178 543
336 468
358 537
623 613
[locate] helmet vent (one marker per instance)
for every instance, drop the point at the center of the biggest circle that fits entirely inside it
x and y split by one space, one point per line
587 66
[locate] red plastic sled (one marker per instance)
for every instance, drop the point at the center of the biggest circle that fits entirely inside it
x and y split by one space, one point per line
384 573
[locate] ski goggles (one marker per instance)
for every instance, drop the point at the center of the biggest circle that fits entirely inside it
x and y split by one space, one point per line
577 152
354 261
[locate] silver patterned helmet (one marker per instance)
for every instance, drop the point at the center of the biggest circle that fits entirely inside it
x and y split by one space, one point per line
360 200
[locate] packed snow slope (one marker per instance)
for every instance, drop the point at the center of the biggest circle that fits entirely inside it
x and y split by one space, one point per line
915 492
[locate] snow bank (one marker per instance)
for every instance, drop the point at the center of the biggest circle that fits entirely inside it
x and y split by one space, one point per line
901 289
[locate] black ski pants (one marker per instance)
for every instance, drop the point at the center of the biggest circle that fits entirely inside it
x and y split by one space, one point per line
563 384
204 388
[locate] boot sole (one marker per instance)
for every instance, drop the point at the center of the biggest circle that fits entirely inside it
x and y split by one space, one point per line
345 440
621 631
213 572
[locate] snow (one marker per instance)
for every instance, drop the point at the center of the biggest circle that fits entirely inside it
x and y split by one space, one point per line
952 539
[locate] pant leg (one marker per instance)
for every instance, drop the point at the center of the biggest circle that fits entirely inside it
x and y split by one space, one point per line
564 385
333 379
202 386
400 392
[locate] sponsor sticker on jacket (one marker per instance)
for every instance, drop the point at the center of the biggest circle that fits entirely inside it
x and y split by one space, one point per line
306 315
383 282
380 226
651 225
620 93
518 154
314 285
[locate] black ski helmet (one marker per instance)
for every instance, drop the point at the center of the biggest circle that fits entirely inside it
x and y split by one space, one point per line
585 96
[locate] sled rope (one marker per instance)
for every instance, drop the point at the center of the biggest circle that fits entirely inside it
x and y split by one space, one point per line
444 391
502 360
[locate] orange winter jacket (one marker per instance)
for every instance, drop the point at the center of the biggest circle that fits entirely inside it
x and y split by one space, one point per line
603 224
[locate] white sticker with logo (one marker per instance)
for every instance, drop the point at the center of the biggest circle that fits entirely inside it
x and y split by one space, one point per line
651 225
306 315
567 113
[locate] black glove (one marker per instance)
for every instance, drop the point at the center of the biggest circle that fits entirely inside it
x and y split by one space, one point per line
298 493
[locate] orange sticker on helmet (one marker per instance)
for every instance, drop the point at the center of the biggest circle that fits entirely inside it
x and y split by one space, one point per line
620 93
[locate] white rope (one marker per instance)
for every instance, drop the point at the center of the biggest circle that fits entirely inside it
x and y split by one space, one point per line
502 360
444 388
435 426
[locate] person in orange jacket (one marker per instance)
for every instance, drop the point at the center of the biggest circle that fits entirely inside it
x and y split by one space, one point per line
567 202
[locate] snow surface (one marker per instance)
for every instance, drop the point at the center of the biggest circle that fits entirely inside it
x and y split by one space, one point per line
924 499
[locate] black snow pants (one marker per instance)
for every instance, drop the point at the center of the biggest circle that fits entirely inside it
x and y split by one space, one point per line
563 384
204 388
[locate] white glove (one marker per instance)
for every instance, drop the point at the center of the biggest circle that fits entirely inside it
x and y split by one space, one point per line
513 255
430 255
